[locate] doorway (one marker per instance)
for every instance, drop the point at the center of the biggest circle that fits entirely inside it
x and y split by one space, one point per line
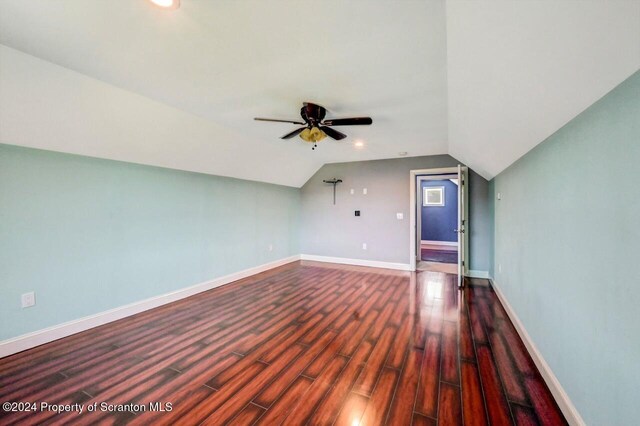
438 220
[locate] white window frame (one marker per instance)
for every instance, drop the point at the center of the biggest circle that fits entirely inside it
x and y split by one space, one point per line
425 198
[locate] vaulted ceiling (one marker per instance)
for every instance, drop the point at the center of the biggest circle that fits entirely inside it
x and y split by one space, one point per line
484 81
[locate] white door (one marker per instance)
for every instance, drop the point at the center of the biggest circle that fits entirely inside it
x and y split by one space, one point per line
461 224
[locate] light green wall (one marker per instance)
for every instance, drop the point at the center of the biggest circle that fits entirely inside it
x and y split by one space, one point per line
89 235
568 240
491 195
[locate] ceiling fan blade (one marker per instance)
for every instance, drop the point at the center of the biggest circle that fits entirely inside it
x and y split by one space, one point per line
355 121
279 121
296 132
333 133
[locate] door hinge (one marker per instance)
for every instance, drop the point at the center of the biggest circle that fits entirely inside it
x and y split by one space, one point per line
463 263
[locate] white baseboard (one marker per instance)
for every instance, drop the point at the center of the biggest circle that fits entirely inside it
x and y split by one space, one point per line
49 334
440 243
477 274
357 262
561 397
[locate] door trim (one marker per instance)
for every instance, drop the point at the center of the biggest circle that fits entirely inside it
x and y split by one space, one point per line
413 231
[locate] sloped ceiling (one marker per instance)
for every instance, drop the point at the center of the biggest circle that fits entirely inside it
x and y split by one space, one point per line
482 80
520 70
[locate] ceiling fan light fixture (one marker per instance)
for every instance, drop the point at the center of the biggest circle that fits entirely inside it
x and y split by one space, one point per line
316 127
166 4
313 134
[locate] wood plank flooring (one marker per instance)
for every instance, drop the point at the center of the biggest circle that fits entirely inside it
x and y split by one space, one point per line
306 343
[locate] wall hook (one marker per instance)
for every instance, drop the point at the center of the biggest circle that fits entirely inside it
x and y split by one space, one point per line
333 182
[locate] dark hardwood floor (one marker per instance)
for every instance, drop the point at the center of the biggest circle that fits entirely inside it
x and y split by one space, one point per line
305 343
442 256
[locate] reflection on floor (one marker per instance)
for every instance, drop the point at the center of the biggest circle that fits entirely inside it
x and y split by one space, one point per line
438 258
447 268
441 256
306 343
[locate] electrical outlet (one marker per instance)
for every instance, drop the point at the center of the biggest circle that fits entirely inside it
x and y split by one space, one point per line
364 191
28 299
270 247
499 196
364 246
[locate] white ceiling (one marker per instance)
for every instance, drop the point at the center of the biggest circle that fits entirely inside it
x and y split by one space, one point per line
482 80
520 70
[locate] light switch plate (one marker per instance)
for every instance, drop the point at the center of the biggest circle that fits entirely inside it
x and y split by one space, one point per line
352 191
28 299
364 191
400 216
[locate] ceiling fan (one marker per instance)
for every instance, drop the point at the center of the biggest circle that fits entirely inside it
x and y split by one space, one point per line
316 127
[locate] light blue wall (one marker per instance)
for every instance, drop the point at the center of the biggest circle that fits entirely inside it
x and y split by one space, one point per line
480 223
568 240
88 235
491 213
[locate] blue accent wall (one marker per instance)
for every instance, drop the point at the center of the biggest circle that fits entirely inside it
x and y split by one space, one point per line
88 235
438 222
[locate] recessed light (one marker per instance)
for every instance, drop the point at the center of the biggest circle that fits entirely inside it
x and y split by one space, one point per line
402 153
358 144
167 4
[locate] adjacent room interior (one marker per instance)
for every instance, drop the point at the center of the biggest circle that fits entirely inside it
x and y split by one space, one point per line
319 213
437 228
